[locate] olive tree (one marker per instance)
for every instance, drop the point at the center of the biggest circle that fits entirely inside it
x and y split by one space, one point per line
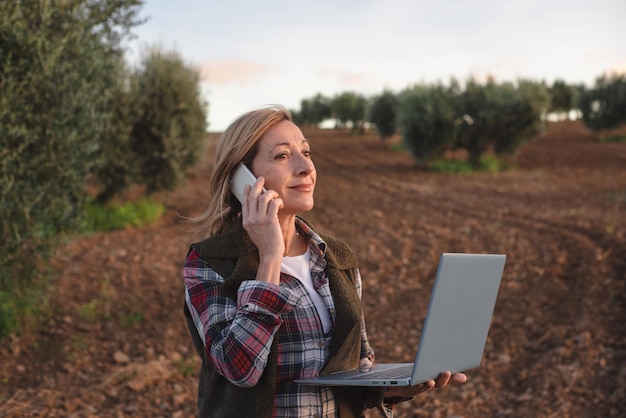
349 108
170 126
426 117
604 105
314 110
498 116
60 62
382 113
561 97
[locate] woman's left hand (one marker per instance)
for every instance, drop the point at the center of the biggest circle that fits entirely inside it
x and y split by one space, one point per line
441 382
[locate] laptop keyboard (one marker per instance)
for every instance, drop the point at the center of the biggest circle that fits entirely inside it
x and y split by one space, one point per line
396 373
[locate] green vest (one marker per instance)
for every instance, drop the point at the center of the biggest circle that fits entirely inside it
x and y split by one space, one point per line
234 257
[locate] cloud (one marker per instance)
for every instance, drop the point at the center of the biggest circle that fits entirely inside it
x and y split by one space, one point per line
344 77
221 72
619 68
501 70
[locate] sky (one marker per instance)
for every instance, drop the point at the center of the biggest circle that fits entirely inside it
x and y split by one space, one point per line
252 53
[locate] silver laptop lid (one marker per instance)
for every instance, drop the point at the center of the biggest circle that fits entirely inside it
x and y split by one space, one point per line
459 314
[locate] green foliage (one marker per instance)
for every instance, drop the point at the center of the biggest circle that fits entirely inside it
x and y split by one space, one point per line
426 121
131 319
382 113
499 116
313 111
349 109
477 118
22 301
612 137
89 311
111 216
561 96
157 126
522 115
8 311
475 111
115 169
167 136
604 105
59 63
398 146
487 164
187 367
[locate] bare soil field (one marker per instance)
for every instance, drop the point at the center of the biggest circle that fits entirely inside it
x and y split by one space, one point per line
116 344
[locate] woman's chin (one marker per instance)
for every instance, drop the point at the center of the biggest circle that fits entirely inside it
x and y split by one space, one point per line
300 207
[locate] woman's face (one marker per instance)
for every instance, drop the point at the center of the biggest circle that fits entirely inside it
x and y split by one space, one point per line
284 160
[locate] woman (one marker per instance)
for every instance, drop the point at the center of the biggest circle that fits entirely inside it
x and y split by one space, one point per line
269 299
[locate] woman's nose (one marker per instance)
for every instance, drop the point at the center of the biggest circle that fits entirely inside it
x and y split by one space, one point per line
305 166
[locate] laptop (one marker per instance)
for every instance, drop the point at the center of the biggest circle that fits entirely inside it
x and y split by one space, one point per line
455 329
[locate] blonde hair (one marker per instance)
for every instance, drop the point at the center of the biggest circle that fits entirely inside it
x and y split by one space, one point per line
238 143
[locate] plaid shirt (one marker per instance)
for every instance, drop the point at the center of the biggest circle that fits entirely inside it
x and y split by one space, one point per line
240 333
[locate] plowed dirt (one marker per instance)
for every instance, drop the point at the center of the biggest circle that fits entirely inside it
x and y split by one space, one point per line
116 344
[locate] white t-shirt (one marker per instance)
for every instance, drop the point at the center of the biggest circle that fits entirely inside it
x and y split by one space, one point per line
298 267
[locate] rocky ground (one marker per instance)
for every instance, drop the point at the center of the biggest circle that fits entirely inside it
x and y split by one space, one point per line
116 345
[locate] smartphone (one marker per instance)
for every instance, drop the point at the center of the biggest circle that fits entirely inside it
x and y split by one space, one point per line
241 177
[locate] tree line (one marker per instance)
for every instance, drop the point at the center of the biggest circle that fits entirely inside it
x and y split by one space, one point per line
476 117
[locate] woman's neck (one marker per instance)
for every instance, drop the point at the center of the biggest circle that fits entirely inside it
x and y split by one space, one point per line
293 242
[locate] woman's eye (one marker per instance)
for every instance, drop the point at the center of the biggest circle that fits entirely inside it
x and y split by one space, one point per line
281 156
307 153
